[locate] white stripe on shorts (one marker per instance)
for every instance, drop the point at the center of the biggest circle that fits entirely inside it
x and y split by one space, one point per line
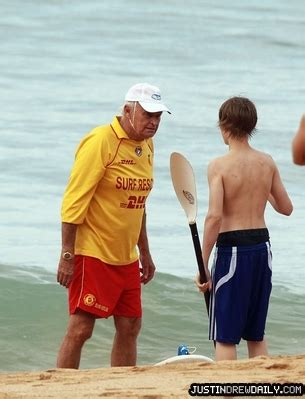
223 280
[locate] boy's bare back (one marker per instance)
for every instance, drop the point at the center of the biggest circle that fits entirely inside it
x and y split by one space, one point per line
247 177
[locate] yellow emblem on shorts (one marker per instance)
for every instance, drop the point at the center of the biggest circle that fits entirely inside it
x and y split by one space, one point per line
89 300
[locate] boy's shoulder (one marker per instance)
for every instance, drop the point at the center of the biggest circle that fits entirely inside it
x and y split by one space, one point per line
263 156
226 161
218 161
217 165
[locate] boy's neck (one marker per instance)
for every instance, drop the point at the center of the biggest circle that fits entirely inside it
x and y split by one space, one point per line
240 144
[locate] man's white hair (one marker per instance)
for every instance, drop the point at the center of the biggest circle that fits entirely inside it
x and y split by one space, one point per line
131 104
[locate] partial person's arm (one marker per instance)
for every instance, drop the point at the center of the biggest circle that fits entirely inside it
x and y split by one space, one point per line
298 144
147 265
213 219
66 266
278 196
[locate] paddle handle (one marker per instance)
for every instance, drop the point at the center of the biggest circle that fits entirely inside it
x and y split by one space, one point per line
197 247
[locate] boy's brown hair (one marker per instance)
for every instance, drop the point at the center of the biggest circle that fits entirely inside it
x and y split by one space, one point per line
238 116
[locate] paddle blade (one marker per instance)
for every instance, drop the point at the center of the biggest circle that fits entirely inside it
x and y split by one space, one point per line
183 179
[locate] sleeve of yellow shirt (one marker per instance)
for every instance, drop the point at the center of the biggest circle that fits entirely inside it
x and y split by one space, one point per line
88 169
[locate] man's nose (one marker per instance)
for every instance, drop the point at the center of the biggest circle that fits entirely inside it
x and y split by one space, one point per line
155 120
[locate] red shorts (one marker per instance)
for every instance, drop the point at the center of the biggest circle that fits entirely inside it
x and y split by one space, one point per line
105 290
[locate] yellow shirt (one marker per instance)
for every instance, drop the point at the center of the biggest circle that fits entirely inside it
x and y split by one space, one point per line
106 193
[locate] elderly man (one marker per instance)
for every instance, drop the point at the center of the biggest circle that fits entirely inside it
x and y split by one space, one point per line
103 223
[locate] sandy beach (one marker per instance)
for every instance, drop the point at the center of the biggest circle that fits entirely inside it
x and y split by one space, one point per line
150 382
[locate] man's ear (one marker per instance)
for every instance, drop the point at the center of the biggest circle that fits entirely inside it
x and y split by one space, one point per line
126 110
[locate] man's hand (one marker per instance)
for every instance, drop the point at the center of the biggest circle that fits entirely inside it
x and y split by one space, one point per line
147 268
65 272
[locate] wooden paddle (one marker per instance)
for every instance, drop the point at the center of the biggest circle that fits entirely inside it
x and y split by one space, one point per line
184 183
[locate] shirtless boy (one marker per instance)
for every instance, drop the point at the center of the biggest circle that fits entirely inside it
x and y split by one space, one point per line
240 185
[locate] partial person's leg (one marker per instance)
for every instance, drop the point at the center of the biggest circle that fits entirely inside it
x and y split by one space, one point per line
225 351
257 348
80 329
124 350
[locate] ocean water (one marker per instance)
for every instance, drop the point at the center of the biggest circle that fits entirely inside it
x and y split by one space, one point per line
64 68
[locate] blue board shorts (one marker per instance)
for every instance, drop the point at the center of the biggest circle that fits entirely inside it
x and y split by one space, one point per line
241 286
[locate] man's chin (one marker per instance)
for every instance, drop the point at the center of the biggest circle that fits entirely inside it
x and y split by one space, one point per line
149 133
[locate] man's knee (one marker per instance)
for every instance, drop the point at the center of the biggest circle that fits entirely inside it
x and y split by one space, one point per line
136 327
80 328
127 326
80 334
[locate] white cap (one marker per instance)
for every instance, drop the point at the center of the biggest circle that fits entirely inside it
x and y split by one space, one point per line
148 96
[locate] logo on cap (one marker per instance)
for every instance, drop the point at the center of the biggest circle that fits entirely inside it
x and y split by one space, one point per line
156 97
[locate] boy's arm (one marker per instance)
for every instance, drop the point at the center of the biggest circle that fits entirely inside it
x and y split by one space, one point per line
213 218
298 144
278 197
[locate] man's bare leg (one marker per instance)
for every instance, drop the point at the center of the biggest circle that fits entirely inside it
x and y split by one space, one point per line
225 351
124 349
79 329
257 348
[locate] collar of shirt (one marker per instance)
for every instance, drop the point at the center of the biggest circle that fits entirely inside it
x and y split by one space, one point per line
119 131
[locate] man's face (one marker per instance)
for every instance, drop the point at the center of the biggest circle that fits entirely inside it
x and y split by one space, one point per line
144 124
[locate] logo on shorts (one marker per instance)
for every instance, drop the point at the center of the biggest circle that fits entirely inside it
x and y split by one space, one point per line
189 197
89 300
